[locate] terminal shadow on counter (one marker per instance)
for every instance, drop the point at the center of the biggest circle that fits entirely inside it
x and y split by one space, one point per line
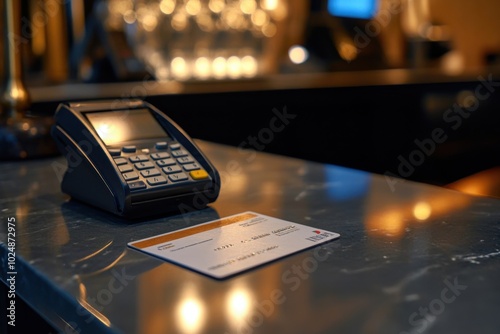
74 207
92 231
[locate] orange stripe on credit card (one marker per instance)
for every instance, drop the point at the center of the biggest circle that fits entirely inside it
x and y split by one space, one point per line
194 230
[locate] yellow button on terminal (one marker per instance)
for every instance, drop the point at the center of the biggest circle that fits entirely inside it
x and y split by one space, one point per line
198 174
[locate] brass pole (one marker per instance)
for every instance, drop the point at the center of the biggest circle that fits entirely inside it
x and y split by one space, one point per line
56 53
23 133
15 97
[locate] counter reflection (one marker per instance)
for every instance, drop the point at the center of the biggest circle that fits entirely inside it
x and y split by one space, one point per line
190 311
239 302
83 249
390 215
173 300
387 211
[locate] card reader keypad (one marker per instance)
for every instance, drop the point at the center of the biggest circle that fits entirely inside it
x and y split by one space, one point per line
168 164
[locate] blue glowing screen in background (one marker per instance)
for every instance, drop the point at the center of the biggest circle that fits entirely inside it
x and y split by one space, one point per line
359 9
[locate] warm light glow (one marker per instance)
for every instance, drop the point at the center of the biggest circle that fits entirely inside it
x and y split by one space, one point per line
232 18
129 17
298 54
202 68
392 222
216 6
107 132
280 12
233 67
179 21
348 51
422 211
120 6
416 13
249 66
205 22
179 68
269 30
149 22
269 4
238 305
155 58
193 7
230 21
219 67
453 63
248 6
259 18
482 183
167 6
162 74
82 299
388 223
190 315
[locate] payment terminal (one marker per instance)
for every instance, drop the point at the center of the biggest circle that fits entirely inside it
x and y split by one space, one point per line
130 159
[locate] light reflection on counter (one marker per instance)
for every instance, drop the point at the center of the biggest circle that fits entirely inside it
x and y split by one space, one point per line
171 302
387 216
395 250
390 215
484 183
239 303
191 311
346 183
422 211
83 302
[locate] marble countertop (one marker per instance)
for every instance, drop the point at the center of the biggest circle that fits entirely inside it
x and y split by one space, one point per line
412 258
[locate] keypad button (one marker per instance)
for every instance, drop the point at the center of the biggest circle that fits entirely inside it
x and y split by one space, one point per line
120 161
179 153
125 168
115 152
161 145
136 185
175 146
138 158
171 169
177 177
129 149
160 155
198 174
144 165
150 172
130 176
165 162
185 160
156 180
193 166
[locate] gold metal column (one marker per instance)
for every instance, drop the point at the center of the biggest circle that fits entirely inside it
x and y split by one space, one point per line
22 133
15 97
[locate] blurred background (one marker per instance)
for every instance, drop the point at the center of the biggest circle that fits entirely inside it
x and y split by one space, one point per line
186 40
368 80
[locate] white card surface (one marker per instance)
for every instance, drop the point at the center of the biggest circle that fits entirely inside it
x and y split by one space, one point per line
230 245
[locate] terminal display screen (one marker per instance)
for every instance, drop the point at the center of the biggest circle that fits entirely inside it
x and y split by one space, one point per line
115 127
